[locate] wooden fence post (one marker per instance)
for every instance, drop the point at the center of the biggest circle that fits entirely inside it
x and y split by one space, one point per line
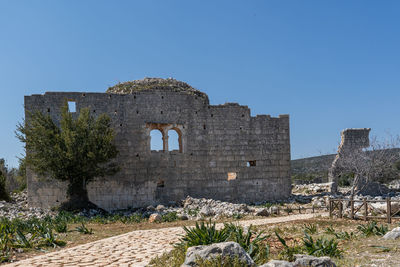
352 208
340 209
330 207
365 209
389 210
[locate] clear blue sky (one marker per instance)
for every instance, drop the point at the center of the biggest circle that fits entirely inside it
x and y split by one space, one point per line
329 64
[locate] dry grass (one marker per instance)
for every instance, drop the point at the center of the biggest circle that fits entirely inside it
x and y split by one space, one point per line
359 251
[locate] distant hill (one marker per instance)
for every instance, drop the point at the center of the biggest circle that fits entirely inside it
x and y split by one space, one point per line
319 164
315 167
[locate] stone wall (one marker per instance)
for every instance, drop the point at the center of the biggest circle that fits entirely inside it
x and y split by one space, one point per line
352 140
216 142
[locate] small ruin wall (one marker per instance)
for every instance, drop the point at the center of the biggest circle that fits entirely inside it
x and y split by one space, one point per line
224 153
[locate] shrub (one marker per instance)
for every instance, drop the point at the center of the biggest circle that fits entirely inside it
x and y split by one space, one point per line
310 228
84 230
3 192
254 244
340 235
202 234
321 247
287 252
61 226
372 228
174 258
170 217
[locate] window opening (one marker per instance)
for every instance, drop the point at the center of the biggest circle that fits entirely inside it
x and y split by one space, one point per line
251 163
71 106
156 140
232 176
173 140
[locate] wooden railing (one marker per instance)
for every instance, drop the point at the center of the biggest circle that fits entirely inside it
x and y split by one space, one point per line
336 208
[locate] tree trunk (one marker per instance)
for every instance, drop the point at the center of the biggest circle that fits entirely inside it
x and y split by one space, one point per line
77 197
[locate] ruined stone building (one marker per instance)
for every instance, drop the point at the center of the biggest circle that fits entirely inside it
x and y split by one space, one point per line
224 153
352 141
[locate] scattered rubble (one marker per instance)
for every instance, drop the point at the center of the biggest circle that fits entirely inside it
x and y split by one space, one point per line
18 208
394 234
230 249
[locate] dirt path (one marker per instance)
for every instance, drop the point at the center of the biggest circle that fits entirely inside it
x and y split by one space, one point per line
131 249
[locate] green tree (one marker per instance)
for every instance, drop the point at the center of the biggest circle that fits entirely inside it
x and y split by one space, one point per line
75 150
3 192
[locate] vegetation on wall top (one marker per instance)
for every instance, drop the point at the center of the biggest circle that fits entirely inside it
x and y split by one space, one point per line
155 84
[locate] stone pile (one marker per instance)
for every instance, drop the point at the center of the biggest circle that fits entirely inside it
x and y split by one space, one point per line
201 207
234 250
18 208
312 189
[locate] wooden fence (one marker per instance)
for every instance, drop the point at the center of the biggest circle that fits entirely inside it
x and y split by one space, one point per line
367 210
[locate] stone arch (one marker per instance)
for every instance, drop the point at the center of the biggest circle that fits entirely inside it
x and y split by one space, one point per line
175 139
156 140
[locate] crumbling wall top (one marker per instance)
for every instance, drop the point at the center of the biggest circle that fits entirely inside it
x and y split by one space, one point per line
355 138
155 84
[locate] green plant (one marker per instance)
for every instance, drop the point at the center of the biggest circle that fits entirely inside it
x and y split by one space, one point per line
340 235
202 234
60 226
84 230
310 228
372 228
49 240
192 212
75 150
174 258
22 241
330 230
237 216
288 252
254 243
170 217
321 247
3 192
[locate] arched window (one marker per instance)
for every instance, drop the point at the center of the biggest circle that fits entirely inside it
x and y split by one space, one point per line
173 140
156 140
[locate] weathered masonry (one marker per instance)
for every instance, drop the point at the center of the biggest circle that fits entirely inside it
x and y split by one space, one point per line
224 153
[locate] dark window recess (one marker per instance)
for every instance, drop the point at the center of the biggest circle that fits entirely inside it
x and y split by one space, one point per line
48 110
162 97
134 97
242 115
83 95
251 163
137 111
204 126
212 115
120 125
161 112
160 183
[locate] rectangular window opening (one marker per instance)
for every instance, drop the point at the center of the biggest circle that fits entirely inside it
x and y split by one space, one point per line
72 106
251 163
232 176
